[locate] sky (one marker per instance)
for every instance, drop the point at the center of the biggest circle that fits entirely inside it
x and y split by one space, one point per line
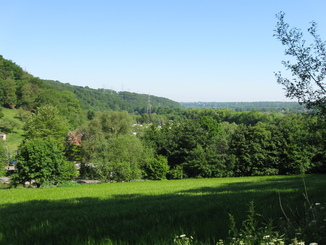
183 50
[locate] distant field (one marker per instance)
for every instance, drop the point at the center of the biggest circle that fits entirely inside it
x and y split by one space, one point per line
146 212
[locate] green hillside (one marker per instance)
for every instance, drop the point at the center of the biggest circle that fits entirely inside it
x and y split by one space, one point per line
106 99
21 93
12 126
18 89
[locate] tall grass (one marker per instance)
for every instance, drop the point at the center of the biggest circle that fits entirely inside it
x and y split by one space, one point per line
148 212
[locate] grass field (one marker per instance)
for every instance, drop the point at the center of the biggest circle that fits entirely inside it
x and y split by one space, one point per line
147 212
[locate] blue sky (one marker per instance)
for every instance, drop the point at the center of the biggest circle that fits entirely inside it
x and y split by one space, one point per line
184 50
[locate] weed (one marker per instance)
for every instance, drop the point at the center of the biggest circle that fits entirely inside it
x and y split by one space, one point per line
183 240
252 231
306 223
68 184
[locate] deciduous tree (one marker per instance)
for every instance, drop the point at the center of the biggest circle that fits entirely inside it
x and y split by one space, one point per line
309 66
118 158
46 124
41 160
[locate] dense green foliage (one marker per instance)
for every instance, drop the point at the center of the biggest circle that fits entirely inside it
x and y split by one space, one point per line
158 142
239 143
105 99
46 123
109 150
155 212
41 161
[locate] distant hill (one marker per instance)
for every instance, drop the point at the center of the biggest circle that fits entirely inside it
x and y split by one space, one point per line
247 106
18 89
105 99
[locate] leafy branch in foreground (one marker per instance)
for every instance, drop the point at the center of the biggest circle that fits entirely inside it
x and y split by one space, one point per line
309 68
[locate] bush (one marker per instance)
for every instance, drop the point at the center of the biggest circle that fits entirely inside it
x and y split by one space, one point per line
68 171
40 161
158 168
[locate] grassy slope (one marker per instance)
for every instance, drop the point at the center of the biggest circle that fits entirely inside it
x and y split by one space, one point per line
147 212
15 138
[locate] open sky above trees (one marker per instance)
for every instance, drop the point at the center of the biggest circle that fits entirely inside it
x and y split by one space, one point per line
183 50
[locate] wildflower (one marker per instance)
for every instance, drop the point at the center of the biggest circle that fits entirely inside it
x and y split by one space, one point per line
265 237
313 243
317 203
183 235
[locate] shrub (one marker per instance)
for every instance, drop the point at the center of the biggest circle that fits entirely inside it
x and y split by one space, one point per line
39 161
158 168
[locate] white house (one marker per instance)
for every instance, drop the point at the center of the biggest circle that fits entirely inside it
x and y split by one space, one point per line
3 136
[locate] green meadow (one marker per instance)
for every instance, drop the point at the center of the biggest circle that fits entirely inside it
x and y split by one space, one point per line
149 212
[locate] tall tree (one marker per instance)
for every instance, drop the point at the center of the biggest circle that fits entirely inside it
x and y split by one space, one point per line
29 92
46 123
118 158
107 124
8 93
295 151
42 161
309 68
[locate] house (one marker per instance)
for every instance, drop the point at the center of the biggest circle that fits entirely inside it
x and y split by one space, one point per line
3 136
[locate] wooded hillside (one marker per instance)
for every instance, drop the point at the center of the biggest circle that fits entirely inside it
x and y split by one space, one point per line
106 99
19 89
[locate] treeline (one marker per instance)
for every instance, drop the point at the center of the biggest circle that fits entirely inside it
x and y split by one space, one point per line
201 143
264 106
218 143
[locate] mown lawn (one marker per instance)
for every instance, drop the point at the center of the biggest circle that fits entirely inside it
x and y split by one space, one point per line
147 212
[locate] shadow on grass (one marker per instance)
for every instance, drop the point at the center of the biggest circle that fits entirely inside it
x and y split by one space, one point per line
141 219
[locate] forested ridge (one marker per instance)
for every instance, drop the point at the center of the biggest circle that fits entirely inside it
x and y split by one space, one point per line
22 90
106 99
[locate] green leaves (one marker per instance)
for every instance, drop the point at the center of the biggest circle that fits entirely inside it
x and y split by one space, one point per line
46 123
42 161
107 124
118 158
308 71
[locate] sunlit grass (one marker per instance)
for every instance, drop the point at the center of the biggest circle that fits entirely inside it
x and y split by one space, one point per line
15 138
146 212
